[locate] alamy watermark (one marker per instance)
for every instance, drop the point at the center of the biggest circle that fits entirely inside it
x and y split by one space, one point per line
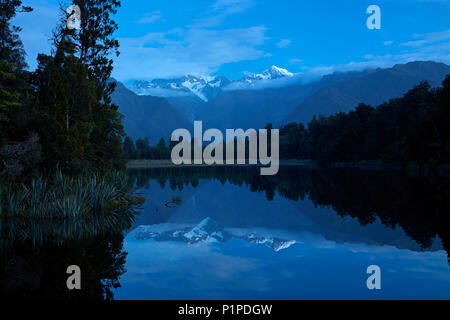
374 20
374 281
74 17
230 150
74 280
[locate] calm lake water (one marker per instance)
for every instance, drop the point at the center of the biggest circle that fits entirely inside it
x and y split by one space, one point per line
229 233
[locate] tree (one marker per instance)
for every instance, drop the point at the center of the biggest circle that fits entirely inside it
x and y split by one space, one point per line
66 99
162 149
94 45
411 129
9 99
12 61
129 148
11 47
143 149
82 127
15 93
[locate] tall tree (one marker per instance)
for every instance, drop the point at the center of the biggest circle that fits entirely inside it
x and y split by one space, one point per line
129 148
9 99
66 99
74 91
94 45
12 61
11 47
15 93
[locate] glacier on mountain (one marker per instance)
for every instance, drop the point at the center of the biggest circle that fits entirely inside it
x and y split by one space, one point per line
204 87
207 231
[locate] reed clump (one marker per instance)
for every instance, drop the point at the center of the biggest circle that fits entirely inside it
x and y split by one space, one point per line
65 208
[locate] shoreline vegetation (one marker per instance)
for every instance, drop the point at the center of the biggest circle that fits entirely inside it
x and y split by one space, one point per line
65 208
144 164
62 166
376 166
408 134
65 197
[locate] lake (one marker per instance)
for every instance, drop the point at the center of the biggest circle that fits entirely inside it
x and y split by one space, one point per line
229 233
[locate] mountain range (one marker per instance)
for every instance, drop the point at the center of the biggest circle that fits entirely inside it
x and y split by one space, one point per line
147 116
207 231
372 87
200 218
154 109
204 88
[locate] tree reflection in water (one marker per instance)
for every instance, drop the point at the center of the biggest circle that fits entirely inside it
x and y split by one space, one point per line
33 264
420 205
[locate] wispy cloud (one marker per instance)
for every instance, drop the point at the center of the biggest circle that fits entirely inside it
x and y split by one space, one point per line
199 48
428 38
432 49
221 9
150 17
187 51
297 61
232 6
284 43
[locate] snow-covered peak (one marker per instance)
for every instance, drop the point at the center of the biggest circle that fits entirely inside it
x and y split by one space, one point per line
270 74
207 231
275 244
279 72
204 87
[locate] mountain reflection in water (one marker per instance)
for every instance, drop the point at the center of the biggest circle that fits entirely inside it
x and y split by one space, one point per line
300 234
230 233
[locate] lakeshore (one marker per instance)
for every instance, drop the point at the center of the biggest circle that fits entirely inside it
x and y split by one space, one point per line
145 164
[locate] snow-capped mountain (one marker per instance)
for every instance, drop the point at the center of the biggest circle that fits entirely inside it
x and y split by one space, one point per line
206 231
205 88
270 74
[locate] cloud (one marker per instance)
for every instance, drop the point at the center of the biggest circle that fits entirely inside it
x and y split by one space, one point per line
220 10
150 17
438 52
232 6
199 48
284 43
297 61
388 43
427 38
197 51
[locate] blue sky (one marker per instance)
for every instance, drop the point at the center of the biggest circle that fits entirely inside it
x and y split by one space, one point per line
164 39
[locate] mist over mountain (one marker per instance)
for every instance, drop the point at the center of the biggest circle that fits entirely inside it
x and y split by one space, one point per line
372 87
256 108
214 101
204 88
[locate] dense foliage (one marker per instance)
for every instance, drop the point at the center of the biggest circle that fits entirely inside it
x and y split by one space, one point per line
65 208
410 129
61 156
62 112
63 193
142 149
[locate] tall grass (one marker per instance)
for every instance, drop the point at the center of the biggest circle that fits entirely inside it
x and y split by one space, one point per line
65 208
